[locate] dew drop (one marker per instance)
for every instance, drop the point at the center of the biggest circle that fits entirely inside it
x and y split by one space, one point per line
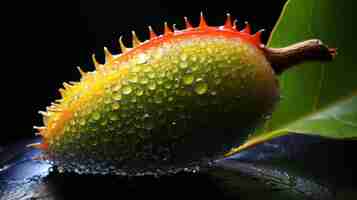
152 86
160 82
151 75
194 68
115 106
107 101
144 81
201 88
82 122
113 116
158 100
96 116
139 92
133 99
167 85
127 90
183 65
142 58
218 81
133 78
213 93
117 97
183 57
188 79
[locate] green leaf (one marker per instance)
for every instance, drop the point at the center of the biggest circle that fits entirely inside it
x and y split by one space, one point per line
318 98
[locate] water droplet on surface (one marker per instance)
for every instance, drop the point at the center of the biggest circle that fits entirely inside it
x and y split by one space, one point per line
113 116
152 86
167 85
133 78
183 65
82 122
183 57
188 79
151 75
117 97
133 99
142 58
144 80
158 100
139 92
96 116
115 106
201 88
127 90
218 81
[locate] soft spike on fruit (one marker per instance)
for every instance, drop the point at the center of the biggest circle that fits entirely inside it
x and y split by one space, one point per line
41 146
257 36
62 92
136 41
108 56
66 86
167 30
123 48
228 23
235 24
40 130
247 29
187 23
152 33
203 24
95 62
174 27
81 72
43 113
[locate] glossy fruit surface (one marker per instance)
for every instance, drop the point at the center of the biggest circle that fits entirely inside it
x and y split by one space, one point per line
167 103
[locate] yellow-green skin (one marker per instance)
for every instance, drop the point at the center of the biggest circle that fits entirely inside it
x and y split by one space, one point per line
176 103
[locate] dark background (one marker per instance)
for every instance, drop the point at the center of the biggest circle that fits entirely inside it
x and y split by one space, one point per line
45 41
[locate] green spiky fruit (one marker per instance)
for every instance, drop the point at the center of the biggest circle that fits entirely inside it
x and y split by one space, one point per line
167 103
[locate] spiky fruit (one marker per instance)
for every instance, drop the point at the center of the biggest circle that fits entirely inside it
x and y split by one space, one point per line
166 103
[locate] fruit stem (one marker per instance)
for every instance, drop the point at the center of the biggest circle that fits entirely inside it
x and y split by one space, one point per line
309 50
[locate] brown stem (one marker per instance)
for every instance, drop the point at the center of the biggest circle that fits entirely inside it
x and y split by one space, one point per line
309 50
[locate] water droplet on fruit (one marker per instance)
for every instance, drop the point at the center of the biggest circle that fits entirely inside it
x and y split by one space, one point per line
183 65
133 78
201 88
96 116
113 116
117 97
127 90
142 58
152 86
188 79
183 57
82 122
115 106
144 80
139 92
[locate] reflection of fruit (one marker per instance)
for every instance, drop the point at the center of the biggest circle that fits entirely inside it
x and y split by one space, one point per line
179 97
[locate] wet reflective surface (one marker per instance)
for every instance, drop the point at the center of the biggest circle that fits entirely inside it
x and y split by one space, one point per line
293 167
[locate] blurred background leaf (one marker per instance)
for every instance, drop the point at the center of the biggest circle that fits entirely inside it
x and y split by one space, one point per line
317 98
